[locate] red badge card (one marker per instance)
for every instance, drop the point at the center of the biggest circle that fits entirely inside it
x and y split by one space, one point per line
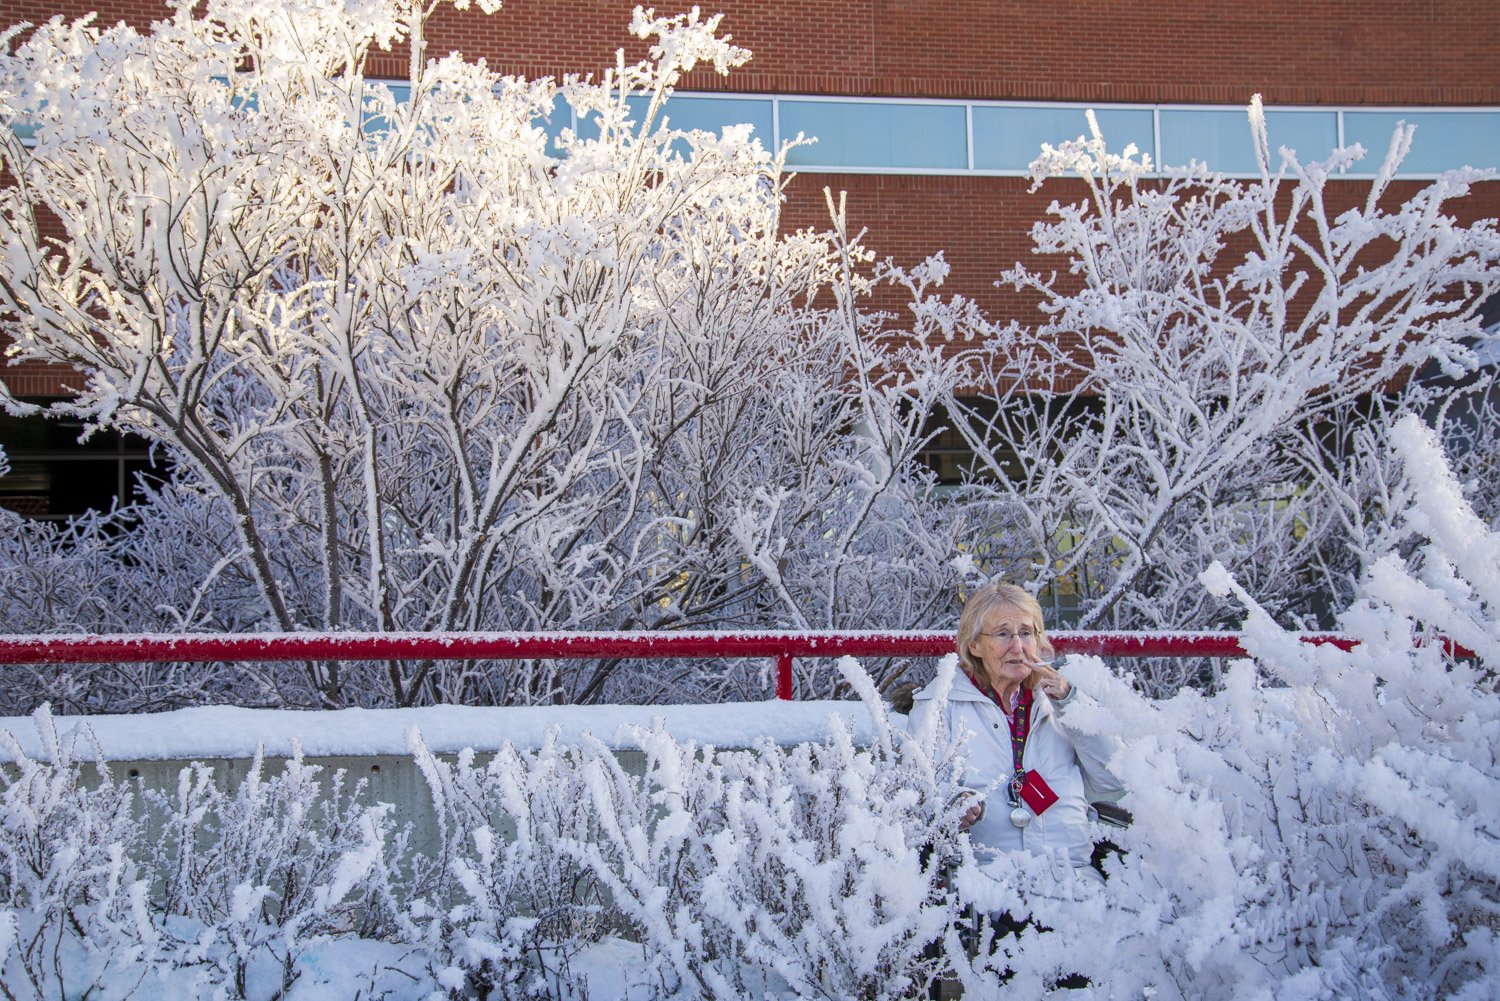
1037 793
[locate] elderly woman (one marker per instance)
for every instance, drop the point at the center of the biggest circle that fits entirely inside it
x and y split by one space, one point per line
1014 704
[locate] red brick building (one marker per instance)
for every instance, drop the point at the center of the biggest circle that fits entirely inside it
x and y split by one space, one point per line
928 112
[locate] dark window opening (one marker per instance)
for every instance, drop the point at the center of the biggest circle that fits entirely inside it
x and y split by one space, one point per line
949 456
54 476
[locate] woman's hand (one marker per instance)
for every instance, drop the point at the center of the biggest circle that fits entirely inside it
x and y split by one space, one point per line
1053 684
973 813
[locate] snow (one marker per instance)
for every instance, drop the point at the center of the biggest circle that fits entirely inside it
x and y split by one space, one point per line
233 732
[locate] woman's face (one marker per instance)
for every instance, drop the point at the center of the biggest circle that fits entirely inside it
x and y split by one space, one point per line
1007 648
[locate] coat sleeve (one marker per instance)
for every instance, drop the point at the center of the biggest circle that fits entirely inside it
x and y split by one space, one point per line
913 720
921 713
1094 750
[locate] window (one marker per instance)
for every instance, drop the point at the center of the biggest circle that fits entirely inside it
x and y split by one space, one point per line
53 475
1009 138
713 114
1444 139
1222 139
954 137
877 134
912 136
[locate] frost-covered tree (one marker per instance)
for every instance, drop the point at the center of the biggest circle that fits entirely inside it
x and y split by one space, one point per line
1197 388
420 366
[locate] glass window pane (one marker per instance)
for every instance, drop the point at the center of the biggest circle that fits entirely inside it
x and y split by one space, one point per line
1444 139
553 122
1010 138
373 122
588 123
873 134
712 114
1221 138
30 435
1312 135
708 114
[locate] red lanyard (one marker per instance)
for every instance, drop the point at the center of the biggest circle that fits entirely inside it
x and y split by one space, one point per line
1020 726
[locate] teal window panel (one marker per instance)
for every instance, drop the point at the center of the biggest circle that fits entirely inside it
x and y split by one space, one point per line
553 122
708 114
1009 138
374 123
1444 140
588 123
1222 140
713 114
1312 135
877 134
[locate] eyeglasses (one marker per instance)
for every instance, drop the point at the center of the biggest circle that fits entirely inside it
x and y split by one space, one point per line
1026 633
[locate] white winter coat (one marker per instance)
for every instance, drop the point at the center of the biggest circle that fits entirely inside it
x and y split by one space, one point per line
1065 758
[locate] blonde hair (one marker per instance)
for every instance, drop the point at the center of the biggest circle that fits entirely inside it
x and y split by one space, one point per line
978 608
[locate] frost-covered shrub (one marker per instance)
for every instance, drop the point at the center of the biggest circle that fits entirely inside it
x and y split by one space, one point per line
506 906
254 877
202 893
1322 827
814 869
74 916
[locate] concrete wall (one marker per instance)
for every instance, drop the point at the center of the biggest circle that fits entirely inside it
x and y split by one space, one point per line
370 745
388 779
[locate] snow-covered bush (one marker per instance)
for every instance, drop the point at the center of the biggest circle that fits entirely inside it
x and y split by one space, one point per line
419 364
203 893
1204 364
815 869
506 905
74 916
1324 826
249 880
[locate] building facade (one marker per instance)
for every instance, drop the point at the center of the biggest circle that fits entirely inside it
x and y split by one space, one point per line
928 113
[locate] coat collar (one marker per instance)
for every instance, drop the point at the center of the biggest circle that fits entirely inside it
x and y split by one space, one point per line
964 690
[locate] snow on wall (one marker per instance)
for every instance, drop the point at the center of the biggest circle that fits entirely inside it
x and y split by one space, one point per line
233 732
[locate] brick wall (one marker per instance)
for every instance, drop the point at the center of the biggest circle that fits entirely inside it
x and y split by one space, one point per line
33 379
1329 52
1334 52
983 224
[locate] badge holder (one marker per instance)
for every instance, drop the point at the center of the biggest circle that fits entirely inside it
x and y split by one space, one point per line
1032 790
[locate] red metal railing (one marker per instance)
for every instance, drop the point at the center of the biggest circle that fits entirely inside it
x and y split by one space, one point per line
783 646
